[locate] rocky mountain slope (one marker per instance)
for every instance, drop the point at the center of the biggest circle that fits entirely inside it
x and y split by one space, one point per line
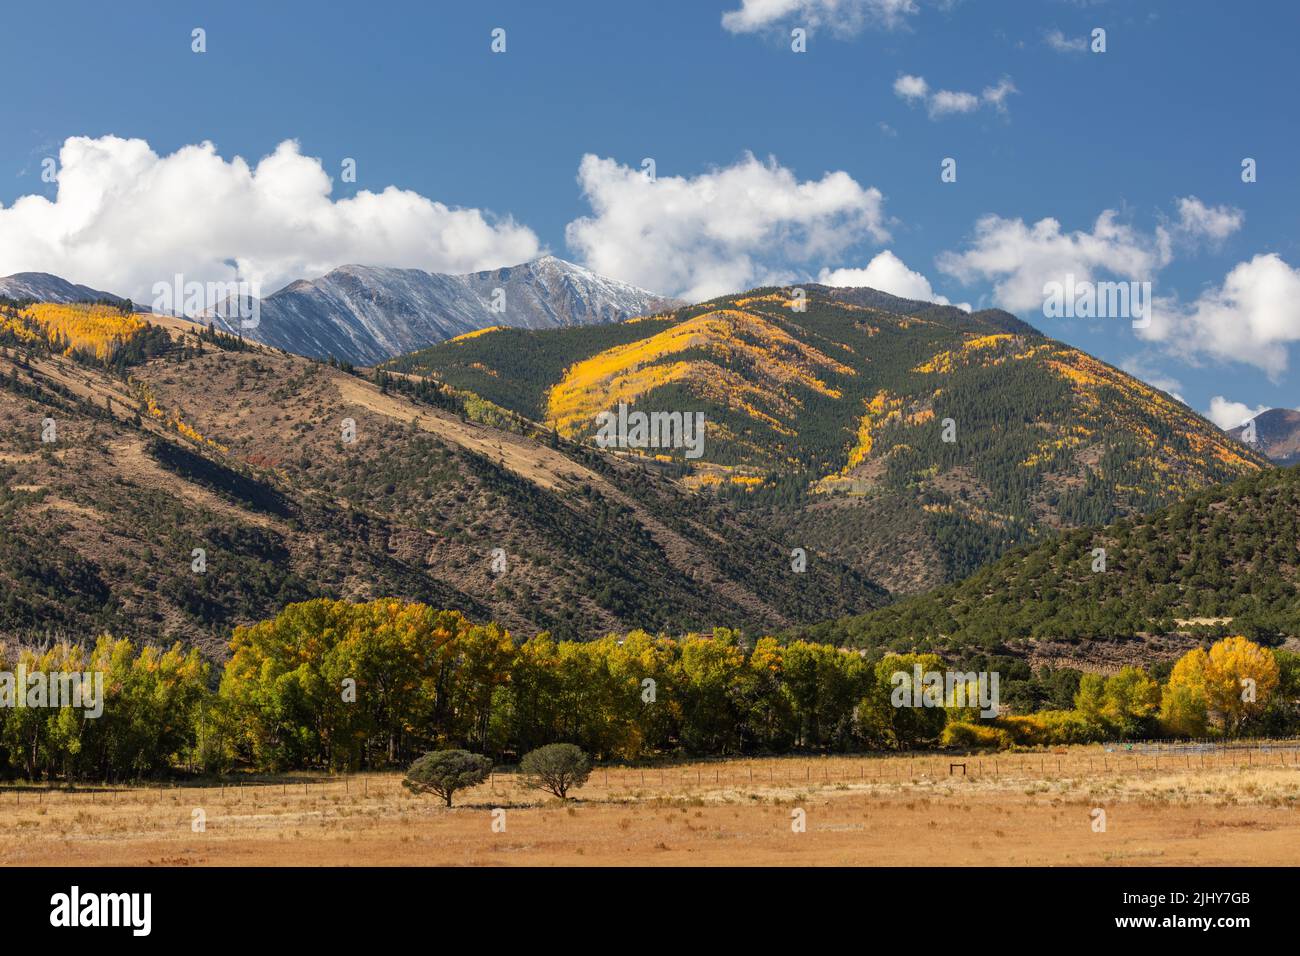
162 480
1277 435
44 287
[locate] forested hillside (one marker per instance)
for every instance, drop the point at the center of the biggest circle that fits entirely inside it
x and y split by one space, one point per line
174 483
914 442
1223 561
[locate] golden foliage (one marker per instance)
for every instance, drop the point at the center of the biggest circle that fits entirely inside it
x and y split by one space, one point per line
625 372
946 361
98 330
466 336
1231 683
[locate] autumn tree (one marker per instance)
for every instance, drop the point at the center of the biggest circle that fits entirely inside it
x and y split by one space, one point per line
1234 681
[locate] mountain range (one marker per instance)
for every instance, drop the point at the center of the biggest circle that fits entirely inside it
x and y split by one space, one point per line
858 449
365 314
205 447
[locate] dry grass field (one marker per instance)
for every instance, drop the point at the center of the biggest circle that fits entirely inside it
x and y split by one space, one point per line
1179 807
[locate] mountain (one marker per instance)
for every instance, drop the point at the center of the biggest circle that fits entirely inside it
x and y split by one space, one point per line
1277 435
173 446
1222 562
829 414
364 315
43 287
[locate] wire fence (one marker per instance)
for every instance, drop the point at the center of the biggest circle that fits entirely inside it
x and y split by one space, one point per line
733 774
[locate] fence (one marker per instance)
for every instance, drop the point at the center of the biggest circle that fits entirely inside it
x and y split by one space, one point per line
614 781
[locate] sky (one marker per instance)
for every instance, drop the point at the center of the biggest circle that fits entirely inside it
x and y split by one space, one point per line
129 156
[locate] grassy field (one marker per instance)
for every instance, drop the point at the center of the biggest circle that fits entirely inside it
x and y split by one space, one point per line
1179 806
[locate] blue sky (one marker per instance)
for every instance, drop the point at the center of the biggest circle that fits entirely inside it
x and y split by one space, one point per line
846 168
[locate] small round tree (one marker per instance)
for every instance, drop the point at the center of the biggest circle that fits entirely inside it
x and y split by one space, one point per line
445 771
556 768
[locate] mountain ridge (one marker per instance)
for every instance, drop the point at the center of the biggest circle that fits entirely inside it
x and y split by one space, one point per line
47 287
1277 435
368 314
99 524
834 417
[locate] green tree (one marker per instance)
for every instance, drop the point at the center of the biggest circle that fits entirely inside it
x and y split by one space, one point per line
1131 701
556 768
443 772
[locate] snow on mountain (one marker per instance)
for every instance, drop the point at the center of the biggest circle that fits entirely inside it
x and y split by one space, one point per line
1276 435
366 314
43 287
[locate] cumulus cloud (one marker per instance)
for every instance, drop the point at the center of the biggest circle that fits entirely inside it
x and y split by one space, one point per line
941 103
1020 259
946 101
1229 415
124 218
1059 42
910 87
721 231
843 17
887 273
1253 316
1197 221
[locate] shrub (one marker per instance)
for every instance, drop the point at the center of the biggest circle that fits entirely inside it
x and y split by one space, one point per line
445 771
962 734
556 768
1052 728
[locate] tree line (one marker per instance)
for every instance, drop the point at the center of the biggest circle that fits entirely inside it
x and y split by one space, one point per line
349 686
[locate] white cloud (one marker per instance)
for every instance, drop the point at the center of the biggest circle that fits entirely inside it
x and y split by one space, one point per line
887 273
125 218
1020 258
1228 414
996 96
843 17
946 101
1213 223
911 87
1252 317
1059 42
718 232
940 103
